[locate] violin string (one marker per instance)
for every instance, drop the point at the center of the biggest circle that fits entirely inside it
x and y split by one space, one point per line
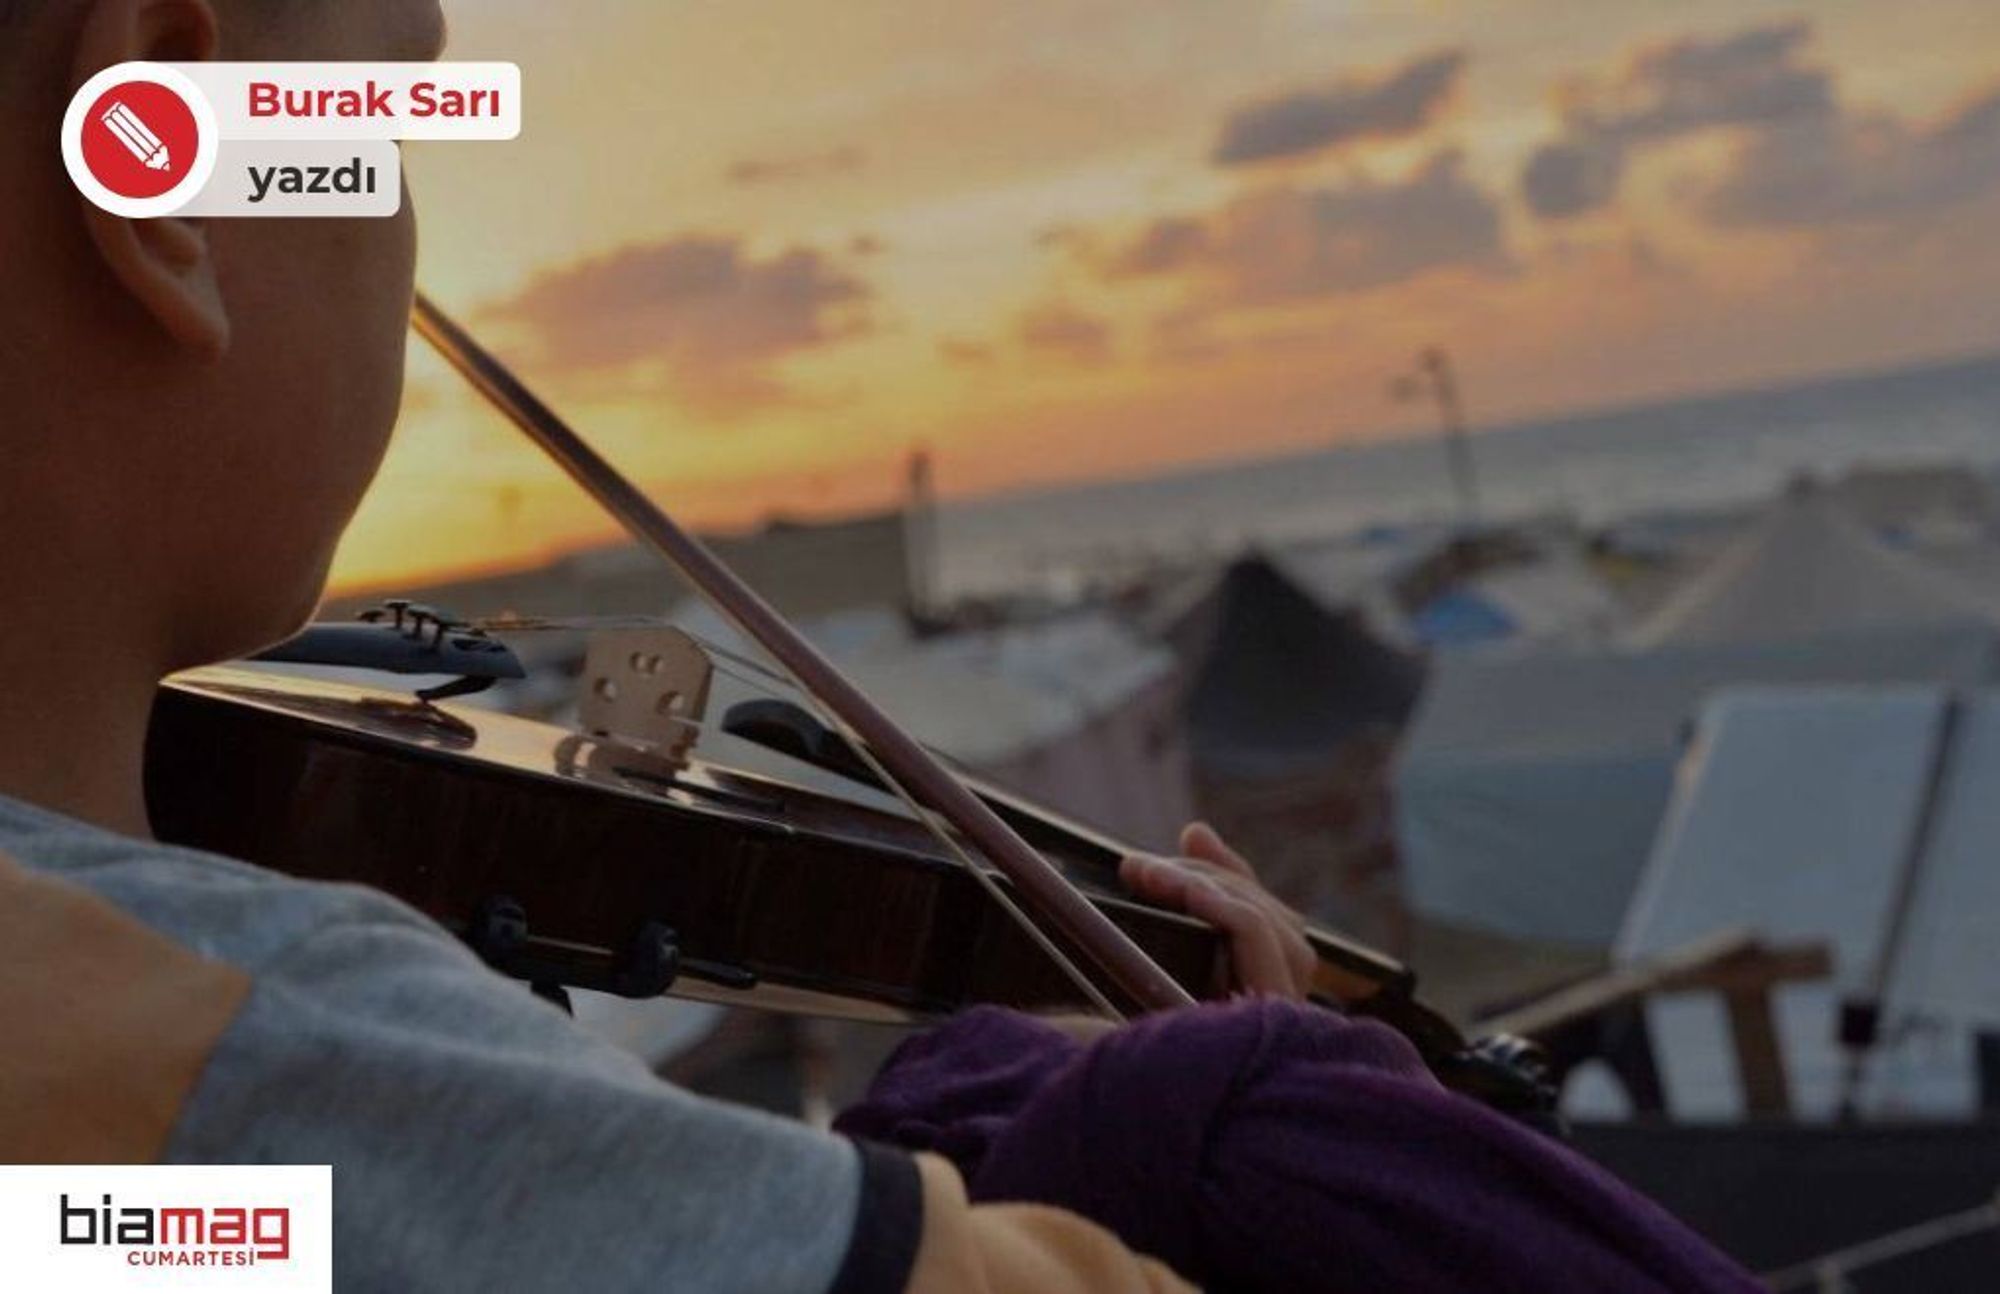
589 624
769 675
987 881
993 888
763 671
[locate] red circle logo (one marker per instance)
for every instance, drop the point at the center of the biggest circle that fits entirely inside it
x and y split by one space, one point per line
139 139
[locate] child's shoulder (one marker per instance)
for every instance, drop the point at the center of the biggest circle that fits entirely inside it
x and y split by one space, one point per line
220 907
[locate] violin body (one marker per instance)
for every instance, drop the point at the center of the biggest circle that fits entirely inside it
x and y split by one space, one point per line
829 897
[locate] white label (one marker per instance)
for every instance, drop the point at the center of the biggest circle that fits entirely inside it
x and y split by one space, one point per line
303 178
362 100
190 1230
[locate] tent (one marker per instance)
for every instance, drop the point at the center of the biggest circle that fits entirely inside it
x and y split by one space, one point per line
1805 813
1917 502
1076 711
1292 703
1363 574
1806 568
1531 783
1279 681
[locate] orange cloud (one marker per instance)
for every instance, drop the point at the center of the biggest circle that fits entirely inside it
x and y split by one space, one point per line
697 313
1058 329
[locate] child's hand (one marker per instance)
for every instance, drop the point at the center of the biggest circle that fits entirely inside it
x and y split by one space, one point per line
1212 881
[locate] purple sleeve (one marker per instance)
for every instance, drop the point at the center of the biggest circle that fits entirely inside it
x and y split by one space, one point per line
1263 1145
953 1090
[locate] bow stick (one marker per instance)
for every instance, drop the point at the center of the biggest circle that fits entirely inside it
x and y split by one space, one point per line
1048 896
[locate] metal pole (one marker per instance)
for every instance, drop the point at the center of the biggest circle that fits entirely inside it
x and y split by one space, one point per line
1458 445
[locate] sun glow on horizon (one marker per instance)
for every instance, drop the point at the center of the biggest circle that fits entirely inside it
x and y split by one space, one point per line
760 252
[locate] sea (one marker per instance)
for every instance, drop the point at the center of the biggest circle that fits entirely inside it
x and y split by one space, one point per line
1606 465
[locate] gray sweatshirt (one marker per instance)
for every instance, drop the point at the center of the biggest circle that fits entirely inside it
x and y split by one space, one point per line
479 1139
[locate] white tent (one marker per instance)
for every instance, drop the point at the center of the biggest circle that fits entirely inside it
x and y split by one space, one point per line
1530 784
1806 568
1798 814
1077 712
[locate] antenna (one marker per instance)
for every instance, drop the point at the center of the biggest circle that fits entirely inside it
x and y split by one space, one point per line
1434 373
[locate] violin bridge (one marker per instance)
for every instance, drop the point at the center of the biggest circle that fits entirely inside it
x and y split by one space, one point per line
645 691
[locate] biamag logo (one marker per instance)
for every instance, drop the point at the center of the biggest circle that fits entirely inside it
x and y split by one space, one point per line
167 1228
182 1235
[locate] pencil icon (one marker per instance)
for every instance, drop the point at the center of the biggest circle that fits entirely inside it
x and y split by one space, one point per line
136 136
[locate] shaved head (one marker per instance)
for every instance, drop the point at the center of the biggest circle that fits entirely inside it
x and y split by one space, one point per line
193 407
152 367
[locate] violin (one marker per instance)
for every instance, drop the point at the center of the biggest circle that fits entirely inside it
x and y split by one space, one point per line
800 854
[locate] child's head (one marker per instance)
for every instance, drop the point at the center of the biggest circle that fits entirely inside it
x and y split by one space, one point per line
189 410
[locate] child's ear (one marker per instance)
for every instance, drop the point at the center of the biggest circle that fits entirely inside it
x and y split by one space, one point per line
164 263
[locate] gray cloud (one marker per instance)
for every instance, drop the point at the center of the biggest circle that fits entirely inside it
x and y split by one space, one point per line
1866 167
1572 176
1803 158
703 310
1753 78
1691 84
1382 105
1289 242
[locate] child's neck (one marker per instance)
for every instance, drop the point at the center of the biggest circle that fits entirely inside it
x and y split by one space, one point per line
76 694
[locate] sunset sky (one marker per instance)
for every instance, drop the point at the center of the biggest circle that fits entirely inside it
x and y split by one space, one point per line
761 248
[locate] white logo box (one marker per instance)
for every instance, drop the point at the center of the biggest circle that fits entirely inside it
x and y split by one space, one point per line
188 1230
